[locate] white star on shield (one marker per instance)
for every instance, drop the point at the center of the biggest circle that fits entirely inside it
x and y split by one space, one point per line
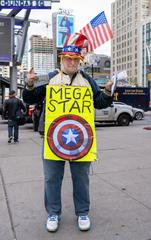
71 137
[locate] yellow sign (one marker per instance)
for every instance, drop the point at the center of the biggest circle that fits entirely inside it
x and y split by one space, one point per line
69 124
149 76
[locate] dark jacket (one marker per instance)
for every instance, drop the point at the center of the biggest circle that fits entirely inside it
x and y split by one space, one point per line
37 94
11 106
101 100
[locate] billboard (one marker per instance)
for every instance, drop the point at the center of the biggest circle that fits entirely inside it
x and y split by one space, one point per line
65 26
26 4
6 39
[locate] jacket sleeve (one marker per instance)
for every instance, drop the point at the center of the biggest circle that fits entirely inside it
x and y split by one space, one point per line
22 106
100 98
35 95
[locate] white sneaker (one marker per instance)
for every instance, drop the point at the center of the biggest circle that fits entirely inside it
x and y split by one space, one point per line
84 223
52 223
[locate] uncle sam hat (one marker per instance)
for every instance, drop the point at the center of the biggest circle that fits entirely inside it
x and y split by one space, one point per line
74 44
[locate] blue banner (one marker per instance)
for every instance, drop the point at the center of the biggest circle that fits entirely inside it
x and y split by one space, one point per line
25 4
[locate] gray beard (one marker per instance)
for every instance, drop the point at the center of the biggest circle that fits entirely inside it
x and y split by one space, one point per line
63 70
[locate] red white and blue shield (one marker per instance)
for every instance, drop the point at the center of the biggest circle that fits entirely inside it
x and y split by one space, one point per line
70 137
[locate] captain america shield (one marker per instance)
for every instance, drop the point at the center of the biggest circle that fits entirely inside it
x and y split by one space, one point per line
70 137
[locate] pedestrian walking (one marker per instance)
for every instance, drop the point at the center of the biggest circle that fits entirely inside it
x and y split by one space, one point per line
68 75
13 108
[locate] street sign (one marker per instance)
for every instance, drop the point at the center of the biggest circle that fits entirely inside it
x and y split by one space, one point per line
25 4
6 39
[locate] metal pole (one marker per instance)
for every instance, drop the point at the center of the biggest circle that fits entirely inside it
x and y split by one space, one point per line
92 71
13 67
18 57
13 78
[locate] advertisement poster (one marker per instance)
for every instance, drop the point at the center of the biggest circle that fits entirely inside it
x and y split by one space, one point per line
65 26
69 124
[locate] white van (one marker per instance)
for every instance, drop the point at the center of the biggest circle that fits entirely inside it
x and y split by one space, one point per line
119 114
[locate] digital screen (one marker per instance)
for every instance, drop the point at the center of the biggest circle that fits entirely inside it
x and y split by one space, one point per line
25 4
65 26
6 39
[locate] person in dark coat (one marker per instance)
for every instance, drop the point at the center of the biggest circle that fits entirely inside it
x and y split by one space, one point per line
12 107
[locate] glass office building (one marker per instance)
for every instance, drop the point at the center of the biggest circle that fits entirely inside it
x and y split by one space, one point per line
145 53
126 18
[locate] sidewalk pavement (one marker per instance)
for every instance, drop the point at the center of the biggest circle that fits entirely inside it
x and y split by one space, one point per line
120 188
148 113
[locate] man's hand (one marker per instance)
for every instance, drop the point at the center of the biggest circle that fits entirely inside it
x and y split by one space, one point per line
31 77
108 85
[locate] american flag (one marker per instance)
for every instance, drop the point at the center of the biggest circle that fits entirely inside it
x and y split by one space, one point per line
97 31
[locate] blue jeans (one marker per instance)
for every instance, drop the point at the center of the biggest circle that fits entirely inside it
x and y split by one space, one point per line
53 174
13 129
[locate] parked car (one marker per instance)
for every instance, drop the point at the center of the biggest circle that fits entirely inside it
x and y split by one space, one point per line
138 112
119 114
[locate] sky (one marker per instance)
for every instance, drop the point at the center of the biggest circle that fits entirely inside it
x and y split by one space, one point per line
83 10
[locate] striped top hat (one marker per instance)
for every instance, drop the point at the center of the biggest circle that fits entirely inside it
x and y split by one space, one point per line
74 44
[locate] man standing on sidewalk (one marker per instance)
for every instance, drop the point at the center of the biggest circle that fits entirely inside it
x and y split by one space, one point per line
12 106
68 75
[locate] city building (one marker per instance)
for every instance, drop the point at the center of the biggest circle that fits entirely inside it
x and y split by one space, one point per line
4 71
144 66
25 62
23 69
126 17
54 34
98 66
41 54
